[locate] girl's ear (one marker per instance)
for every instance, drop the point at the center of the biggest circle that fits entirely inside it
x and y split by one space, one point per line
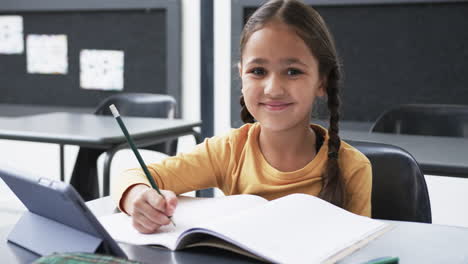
239 67
322 89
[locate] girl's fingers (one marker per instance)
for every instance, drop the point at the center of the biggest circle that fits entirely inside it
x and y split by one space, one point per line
144 225
171 202
140 228
152 214
153 198
166 204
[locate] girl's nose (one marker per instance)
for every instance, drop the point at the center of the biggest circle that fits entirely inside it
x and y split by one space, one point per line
274 87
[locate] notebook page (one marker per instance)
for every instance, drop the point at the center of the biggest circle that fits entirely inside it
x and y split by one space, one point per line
297 228
189 213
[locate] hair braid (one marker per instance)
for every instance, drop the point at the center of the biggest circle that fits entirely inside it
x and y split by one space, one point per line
333 186
246 116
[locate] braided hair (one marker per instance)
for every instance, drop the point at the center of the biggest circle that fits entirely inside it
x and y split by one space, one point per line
311 28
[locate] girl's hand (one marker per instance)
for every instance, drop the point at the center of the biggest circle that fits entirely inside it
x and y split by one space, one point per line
148 209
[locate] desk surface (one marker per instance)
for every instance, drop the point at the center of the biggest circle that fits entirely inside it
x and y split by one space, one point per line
446 156
17 110
87 129
411 242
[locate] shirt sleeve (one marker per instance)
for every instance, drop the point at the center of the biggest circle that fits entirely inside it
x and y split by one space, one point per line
359 190
204 167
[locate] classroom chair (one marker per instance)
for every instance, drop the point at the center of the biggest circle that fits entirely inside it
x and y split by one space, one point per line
143 105
399 190
128 104
424 119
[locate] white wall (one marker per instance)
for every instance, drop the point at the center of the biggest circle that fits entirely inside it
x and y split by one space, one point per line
191 59
222 66
191 45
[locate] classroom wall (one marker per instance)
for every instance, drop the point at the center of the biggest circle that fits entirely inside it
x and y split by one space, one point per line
144 56
399 54
148 32
190 60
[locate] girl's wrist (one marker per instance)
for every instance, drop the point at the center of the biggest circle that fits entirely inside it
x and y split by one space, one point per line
131 194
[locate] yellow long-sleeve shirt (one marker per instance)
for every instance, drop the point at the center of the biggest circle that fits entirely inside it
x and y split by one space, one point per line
235 164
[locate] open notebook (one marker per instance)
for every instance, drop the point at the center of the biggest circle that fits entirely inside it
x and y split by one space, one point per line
297 228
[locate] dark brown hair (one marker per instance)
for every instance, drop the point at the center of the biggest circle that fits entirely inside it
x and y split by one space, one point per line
311 28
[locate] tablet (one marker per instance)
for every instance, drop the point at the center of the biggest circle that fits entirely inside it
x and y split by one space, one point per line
57 207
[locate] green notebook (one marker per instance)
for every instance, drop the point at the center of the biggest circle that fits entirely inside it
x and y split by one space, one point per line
82 258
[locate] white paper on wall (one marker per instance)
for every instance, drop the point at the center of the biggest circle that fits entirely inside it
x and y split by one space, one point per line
11 35
47 54
102 69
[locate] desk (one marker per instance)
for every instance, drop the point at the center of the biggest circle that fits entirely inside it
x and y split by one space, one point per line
93 131
17 110
411 242
445 156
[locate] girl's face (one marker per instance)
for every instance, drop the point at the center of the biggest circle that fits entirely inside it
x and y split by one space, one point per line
280 78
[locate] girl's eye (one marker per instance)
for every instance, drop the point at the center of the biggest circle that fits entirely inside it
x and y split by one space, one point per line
258 71
294 72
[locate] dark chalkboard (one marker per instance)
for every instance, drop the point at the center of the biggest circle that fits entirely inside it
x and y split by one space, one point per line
415 52
150 63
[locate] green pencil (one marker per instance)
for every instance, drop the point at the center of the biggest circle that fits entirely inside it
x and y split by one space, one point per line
384 260
116 114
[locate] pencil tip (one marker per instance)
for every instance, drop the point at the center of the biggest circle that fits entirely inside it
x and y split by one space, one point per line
172 221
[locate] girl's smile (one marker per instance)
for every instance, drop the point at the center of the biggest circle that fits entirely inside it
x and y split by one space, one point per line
276 106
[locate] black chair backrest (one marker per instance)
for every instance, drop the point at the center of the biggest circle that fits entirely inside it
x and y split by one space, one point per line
143 105
399 190
139 105
424 119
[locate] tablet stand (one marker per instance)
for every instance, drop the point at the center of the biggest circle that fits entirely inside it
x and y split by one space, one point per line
44 236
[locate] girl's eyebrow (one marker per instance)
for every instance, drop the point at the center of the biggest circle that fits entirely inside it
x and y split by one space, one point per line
286 61
289 61
258 61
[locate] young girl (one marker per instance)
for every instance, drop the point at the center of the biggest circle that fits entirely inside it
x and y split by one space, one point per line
288 58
